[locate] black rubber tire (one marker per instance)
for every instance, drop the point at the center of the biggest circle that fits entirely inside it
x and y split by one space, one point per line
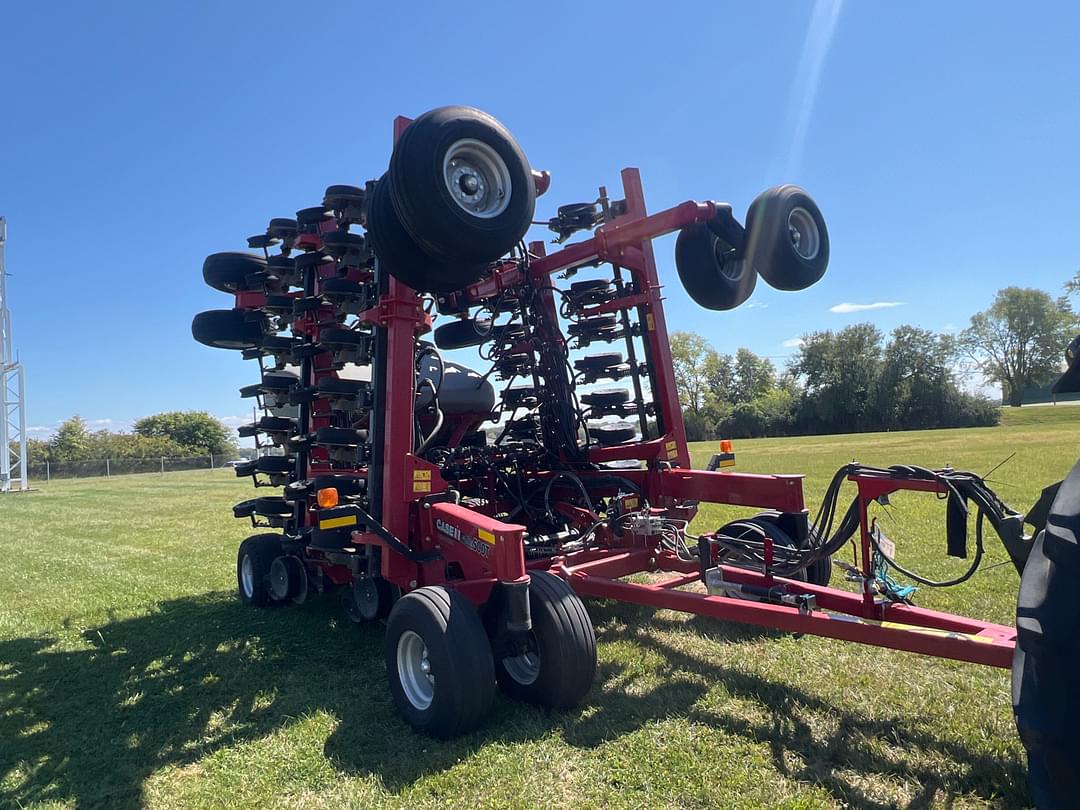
563 637
608 436
602 398
769 244
598 362
403 258
287 579
261 549
460 657
227 329
441 227
714 280
818 572
462 334
1047 654
228 271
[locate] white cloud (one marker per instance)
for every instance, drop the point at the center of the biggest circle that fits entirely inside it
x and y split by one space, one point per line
844 309
756 305
949 327
793 343
234 421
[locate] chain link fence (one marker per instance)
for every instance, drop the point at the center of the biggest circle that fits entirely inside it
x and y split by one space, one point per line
107 467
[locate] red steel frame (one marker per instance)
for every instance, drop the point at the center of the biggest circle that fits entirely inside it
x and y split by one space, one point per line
486 551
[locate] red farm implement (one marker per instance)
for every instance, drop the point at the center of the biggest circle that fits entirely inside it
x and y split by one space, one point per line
477 545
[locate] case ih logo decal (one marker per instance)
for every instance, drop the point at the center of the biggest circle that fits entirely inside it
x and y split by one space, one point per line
481 545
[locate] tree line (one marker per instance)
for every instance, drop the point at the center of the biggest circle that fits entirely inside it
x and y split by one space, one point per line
858 379
172 434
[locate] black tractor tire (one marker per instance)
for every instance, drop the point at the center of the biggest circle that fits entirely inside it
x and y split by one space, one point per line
560 666
439 626
403 258
228 271
710 271
1047 654
227 329
476 224
253 561
818 572
787 242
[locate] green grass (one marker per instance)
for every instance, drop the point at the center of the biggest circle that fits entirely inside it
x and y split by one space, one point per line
130 675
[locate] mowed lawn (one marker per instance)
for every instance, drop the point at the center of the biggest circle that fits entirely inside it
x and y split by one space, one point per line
131 675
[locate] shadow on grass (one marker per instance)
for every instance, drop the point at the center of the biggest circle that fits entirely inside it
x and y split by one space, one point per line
91 724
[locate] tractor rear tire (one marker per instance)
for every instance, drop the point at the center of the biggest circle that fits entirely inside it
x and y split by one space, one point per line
438 662
786 239
253 561
1047 654
559 667
710 271
461 185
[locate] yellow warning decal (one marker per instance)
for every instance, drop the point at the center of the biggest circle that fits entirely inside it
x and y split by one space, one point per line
338 522
650 322
421 486
486 536
912 628
421 475
728 463
630 503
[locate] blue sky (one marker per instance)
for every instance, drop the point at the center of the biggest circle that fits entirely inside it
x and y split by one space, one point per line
941 140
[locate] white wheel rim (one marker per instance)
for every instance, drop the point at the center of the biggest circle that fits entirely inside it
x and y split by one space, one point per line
804 233
524 668
247 576
414 670
477 178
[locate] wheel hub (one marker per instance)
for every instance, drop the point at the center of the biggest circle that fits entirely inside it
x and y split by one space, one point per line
805 237
414 670
477 178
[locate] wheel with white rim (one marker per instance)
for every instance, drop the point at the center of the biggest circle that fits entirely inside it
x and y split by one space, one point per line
711 271
253 561
438 662
786 238
557 665
461 185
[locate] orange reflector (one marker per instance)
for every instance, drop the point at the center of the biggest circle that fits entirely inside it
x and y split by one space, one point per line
327 497
725 446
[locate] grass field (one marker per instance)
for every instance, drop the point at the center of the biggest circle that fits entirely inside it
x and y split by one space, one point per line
130 675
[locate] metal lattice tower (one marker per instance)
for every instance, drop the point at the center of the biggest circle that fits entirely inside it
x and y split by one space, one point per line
12 394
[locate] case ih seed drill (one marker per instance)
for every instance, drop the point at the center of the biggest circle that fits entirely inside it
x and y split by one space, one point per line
475 546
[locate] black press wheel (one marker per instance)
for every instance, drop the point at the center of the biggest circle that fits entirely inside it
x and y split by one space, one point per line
461 185
228 272
438 661
227 329
710 270
369 599
253 561
559 664
1047 654
786 238
403 258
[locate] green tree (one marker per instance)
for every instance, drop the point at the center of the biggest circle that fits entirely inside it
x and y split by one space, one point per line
693 359
840 374
71 442
1018 341
196 430
754 376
